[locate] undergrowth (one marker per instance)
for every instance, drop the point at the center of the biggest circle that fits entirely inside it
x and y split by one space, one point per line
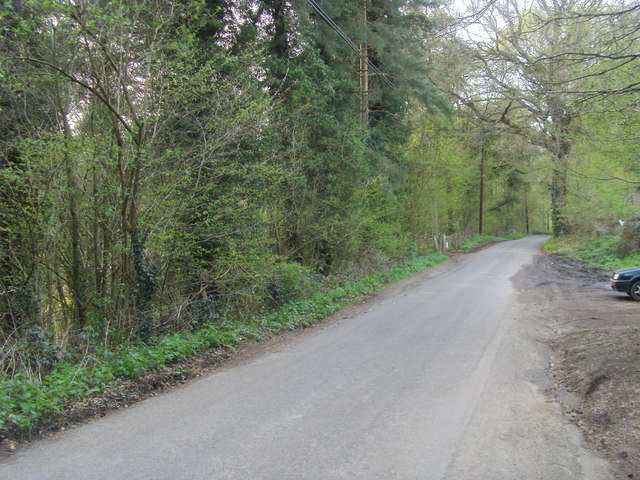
480 239
600 252
27 399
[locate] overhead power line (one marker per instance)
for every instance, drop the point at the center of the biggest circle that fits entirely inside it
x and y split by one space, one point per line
327 19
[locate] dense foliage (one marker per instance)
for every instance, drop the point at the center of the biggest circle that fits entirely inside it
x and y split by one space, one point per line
630 238
166 165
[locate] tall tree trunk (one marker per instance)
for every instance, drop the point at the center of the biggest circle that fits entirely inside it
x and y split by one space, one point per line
76 281
559 222
280 37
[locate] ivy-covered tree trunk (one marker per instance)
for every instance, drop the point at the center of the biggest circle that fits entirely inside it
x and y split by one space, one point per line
77 281
559 222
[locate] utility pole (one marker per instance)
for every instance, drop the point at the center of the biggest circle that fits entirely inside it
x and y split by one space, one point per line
481 193
364 70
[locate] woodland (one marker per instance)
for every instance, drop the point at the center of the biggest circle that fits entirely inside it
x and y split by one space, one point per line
170 167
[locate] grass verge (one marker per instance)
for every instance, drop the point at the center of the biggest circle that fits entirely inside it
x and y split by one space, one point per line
480 239
600 252
26 400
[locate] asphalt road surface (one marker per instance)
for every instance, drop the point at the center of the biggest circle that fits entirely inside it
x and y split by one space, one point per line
444 380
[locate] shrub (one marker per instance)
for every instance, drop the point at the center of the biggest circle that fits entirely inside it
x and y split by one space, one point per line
38 351
477 240
630 239
288 282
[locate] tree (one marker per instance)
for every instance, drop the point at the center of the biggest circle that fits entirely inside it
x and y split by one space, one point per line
163 162
94 179
521 65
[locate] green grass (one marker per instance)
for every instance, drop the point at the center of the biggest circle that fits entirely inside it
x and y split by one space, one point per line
25 400
600 252
480 239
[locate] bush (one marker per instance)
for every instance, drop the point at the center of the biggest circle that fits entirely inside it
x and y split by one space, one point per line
630 239
477 240
288 282
38 351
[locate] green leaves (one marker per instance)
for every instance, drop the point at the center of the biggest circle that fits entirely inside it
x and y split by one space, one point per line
22 401
602 252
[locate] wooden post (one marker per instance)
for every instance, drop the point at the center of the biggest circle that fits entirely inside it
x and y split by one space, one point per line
526 210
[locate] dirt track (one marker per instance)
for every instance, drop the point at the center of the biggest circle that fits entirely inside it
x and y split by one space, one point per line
594 334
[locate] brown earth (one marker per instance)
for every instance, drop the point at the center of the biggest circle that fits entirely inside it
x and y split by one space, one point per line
594 335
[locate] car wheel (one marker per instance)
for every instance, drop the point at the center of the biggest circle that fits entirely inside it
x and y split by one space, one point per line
634 291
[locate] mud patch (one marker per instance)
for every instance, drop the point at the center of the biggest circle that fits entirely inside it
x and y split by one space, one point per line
594 334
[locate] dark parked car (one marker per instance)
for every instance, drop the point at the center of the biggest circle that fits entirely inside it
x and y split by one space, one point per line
627 281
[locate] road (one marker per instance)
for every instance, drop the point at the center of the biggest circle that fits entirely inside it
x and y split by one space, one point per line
444 380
